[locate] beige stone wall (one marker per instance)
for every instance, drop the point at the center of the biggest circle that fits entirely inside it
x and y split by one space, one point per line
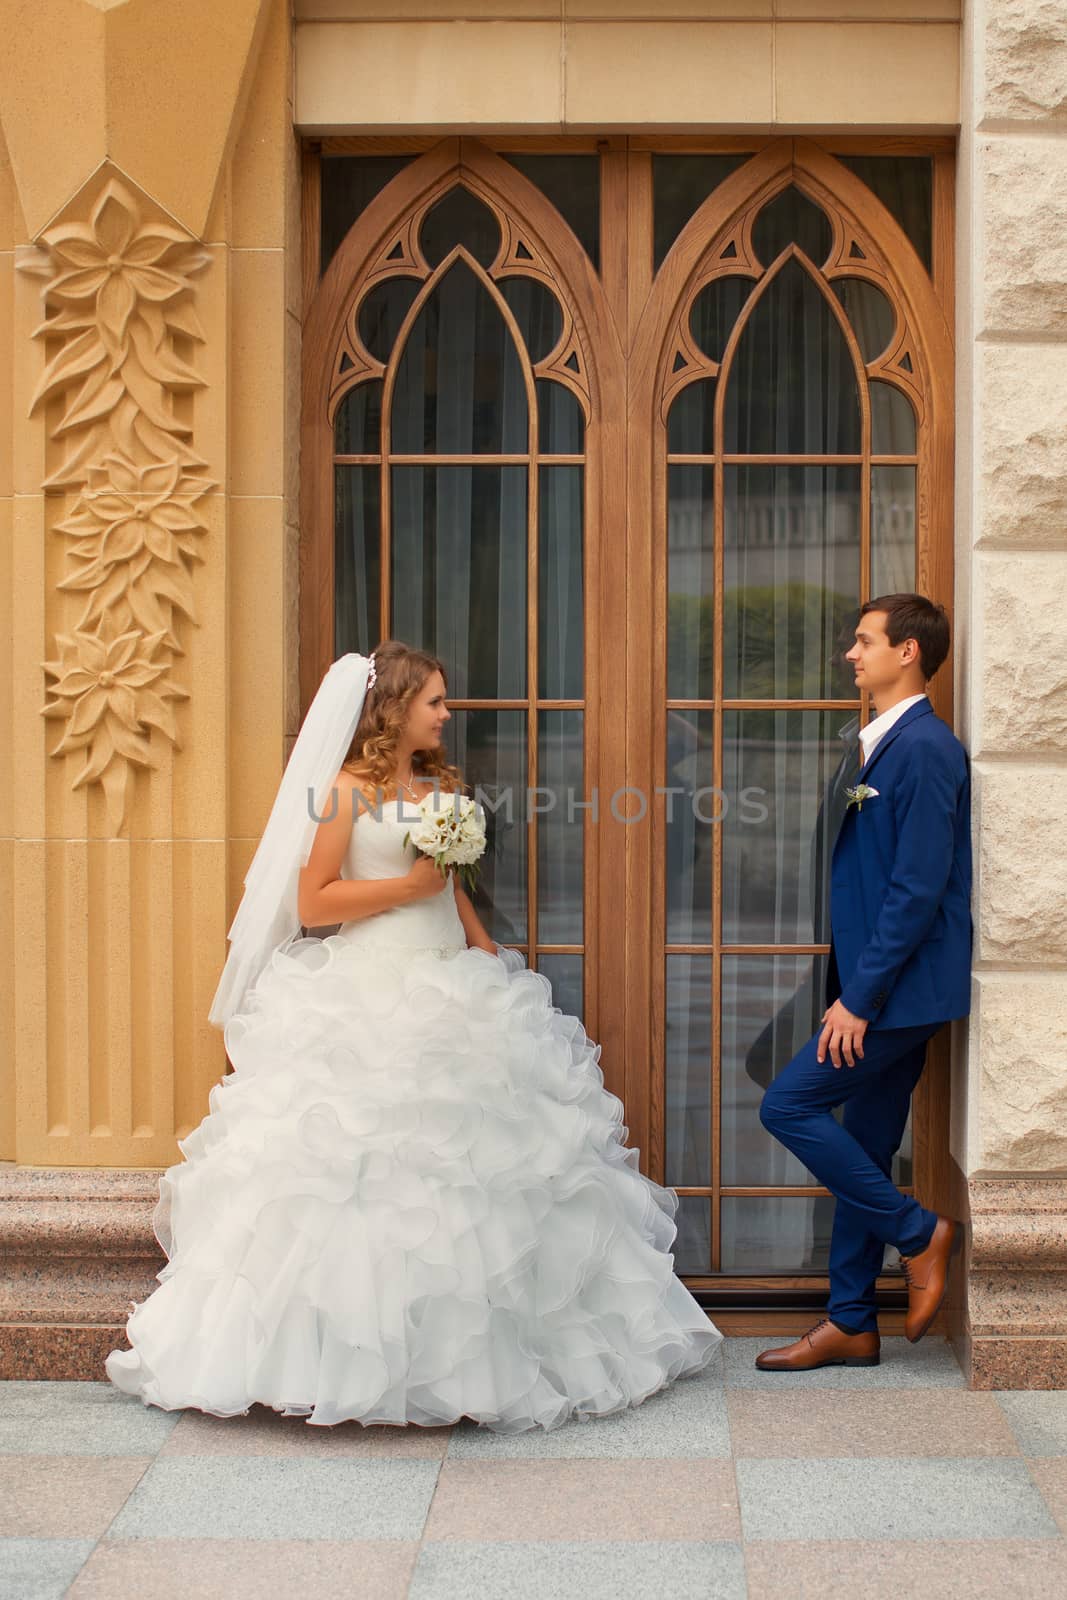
618 65
1012 567
105 1051
150 147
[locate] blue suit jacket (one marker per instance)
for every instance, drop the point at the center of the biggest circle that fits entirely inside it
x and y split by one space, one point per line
900 881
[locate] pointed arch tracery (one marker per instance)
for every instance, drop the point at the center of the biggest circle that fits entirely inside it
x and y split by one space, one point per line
866 244
385 243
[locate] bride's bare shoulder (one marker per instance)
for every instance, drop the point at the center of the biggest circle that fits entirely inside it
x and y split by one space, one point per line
351 784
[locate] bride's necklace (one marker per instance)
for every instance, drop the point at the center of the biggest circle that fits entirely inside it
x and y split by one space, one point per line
407 786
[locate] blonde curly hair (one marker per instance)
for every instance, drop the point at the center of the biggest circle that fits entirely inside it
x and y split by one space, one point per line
372 756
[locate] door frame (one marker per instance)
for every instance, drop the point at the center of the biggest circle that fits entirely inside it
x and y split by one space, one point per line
623 315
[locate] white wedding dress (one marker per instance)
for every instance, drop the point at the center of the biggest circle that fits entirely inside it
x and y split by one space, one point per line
411 1201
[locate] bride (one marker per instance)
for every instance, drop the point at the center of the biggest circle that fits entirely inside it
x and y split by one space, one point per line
411 1201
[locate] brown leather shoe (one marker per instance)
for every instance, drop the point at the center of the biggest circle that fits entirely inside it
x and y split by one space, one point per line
927 1277
823 1346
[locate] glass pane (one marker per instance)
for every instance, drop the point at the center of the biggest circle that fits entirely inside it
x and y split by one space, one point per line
357 427
771 1006
564 973
892 421
783 773
692 1246
905 186
791 218
459 573
561 633
572 184
680 185
349 184
715 310
460 218
691 421
460 388
357 558
903 1172
560 423
792 385
690 582
560 843
776 1233
536 310
489 747
870 313
383 310
690 825
792 578
892 530
688 1062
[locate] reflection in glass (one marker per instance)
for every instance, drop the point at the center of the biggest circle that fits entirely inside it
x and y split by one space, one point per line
536 310
460 218
680 185
688 1074
775 843
779 1233
561 638
870 314
692 1246
690 825
489 747
892 421
892 530
357 427
383 311
459 572
560 423
349 184
560 828
357 558
792 385
905 186
690 582
791 218
691 422
715 310
564 973
771 1005
572 184
460 388
791 575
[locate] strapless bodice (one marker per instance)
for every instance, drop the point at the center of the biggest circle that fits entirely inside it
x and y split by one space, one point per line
376 849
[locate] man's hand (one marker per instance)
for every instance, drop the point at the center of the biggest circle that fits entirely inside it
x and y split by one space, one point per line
842 1033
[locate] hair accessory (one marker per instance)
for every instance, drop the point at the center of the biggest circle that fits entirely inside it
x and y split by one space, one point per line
373 674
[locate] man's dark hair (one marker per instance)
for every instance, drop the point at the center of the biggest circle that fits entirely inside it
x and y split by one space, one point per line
913 616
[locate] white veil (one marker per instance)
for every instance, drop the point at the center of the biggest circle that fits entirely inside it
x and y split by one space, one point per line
268 913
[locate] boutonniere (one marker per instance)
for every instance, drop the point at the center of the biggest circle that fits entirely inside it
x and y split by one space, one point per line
859 794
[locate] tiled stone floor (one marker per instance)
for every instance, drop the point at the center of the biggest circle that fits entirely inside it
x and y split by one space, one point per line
893 1480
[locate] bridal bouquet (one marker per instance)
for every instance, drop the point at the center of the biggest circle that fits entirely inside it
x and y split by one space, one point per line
454 837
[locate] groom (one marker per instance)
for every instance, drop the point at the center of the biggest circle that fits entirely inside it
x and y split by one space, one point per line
900 956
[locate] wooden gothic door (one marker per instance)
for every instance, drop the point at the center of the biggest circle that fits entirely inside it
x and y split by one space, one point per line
625 434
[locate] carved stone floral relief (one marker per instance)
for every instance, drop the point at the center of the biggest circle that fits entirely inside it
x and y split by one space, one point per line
120 329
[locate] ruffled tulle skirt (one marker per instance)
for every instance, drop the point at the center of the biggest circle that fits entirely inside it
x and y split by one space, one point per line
411 1202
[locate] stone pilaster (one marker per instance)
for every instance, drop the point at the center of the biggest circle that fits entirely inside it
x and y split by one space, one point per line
1013 560
148 187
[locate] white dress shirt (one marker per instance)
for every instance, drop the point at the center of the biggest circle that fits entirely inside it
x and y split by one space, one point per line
880 726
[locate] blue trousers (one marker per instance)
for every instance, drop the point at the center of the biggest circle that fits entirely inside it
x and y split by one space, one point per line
853 1158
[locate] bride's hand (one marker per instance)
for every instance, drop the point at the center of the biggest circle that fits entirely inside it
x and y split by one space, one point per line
426 878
